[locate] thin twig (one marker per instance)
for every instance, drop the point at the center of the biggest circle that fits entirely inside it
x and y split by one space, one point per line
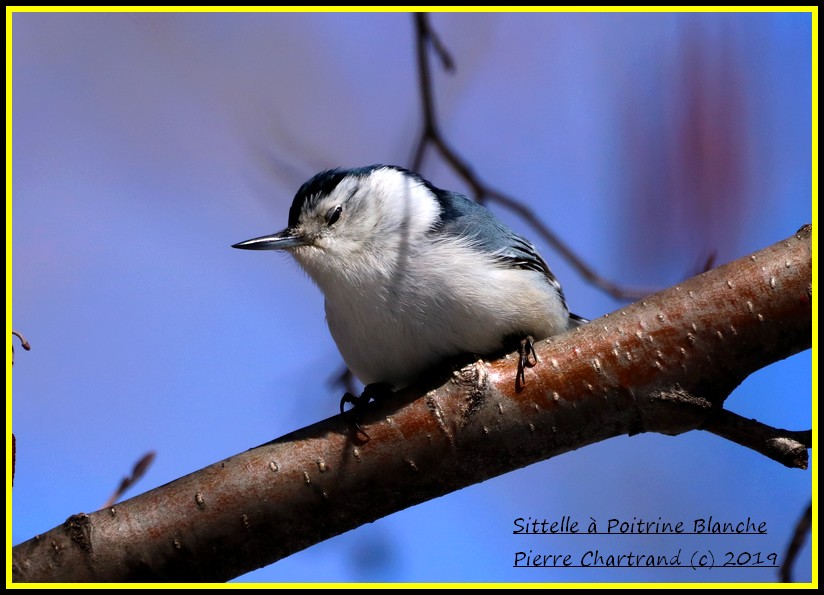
802 529
785 446
440 49
23 343
138 471
431 134
709 263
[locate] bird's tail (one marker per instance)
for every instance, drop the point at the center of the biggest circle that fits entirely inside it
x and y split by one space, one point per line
576 321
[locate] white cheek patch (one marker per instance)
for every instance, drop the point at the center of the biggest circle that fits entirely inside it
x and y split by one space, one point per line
402 199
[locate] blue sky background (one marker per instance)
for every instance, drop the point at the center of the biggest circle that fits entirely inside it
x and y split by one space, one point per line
144 145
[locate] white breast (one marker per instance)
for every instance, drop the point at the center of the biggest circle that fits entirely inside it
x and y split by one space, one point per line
391 329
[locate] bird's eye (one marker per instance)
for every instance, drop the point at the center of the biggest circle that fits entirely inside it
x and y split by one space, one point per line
333 214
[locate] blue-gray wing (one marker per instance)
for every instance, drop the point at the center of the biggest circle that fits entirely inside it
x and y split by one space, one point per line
465 218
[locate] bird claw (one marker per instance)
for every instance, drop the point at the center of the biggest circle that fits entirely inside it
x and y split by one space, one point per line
356 402
371 392
525 349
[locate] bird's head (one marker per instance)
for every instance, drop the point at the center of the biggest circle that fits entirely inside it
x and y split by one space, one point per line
347 220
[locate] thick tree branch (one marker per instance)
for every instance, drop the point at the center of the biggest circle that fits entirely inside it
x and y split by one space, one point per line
665 364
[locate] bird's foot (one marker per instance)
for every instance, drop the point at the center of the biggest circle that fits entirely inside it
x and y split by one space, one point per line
371 392
525 349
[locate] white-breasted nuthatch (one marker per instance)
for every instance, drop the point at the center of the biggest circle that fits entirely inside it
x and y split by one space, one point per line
414 275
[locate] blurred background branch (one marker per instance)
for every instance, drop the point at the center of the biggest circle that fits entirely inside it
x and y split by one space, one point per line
431 135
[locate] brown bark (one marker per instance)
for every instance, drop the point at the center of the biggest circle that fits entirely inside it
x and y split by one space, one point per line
665 364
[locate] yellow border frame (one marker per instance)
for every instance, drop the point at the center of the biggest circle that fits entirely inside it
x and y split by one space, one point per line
10 10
